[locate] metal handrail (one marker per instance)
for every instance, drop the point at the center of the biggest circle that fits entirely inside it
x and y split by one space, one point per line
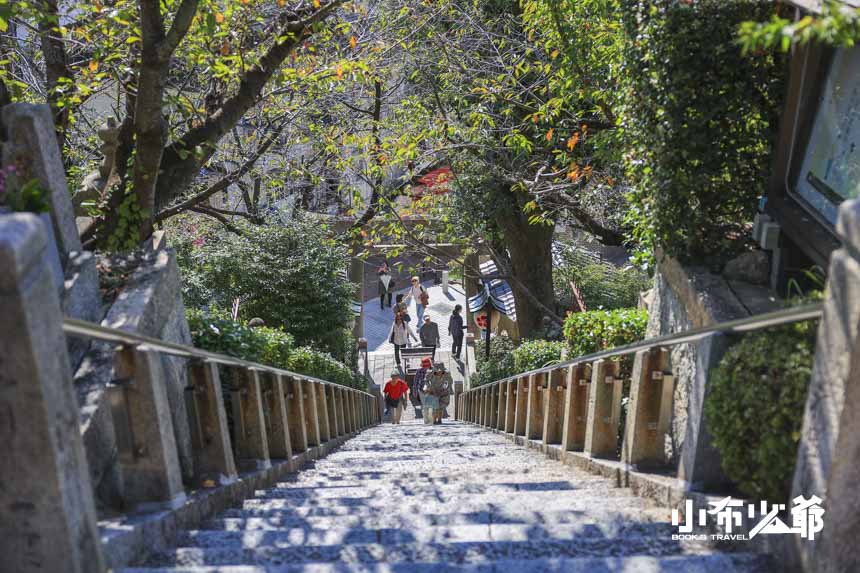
750 323
85 329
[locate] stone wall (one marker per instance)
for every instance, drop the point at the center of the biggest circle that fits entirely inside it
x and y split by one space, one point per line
150 303
691 297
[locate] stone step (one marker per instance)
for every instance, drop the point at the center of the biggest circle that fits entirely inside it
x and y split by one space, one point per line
581 487
708 563
284 551
473 533
373 506
384 520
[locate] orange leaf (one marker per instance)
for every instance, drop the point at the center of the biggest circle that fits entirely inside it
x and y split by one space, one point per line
572 141
535 118
549 134
353 42
225 49
338 71
219 17
316 3
610 181
573 173
94 66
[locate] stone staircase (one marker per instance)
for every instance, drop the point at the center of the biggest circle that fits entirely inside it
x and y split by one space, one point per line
444 498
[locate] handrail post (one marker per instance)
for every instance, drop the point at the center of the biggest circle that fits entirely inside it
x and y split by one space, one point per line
353 423
213 454
296 415
552 407
341 413
150 462
521 406
576 407
280 446
534 416
604 410
650 411
312 424
252 444
331 392
322 412
501 405
49 516
510 406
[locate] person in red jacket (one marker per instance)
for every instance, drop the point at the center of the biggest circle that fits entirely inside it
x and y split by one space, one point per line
395 391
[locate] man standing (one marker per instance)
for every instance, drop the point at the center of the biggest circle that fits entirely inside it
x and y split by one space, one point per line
455 329
429 334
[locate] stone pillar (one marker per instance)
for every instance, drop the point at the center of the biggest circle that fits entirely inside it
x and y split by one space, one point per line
501 405
252 444
331 408
213 453
322 412
312 422
49 518
553 404
604 410
510 406
520 409
296 415
280 446
148 457
828 459
650 411
576 407
341 405
534 418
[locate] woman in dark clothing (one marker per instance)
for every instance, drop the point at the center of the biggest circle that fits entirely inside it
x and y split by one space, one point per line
455 329
386 284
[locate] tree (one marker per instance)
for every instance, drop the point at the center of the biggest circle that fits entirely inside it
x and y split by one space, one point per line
184 73
290 273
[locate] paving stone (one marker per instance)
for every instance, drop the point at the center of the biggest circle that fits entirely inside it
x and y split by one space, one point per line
444 498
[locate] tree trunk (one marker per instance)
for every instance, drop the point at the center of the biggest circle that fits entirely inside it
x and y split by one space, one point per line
530 251
56 65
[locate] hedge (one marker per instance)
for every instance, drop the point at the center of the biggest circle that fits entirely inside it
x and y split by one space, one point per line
595 330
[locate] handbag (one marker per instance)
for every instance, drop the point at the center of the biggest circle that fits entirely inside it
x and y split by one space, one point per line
424 297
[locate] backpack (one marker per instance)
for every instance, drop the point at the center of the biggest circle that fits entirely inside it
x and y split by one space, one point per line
424 297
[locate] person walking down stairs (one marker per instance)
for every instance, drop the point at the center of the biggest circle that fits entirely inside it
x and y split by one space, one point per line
395 392
429 335
400 335
437 388
421 296
455 329
417 384
386 284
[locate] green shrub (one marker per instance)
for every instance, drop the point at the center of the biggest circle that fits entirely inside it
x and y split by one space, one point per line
755 408
595 330
289 273
499 365
534 354
217 332
602 286
699 122
306 360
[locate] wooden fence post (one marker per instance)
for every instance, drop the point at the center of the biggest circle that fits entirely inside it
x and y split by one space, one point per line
604 410
501 405
650 411
213 451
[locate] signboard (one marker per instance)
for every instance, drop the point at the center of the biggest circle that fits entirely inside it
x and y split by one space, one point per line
830 173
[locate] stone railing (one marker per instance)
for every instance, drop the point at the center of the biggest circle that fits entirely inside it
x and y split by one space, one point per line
572 411
576 405
280 419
